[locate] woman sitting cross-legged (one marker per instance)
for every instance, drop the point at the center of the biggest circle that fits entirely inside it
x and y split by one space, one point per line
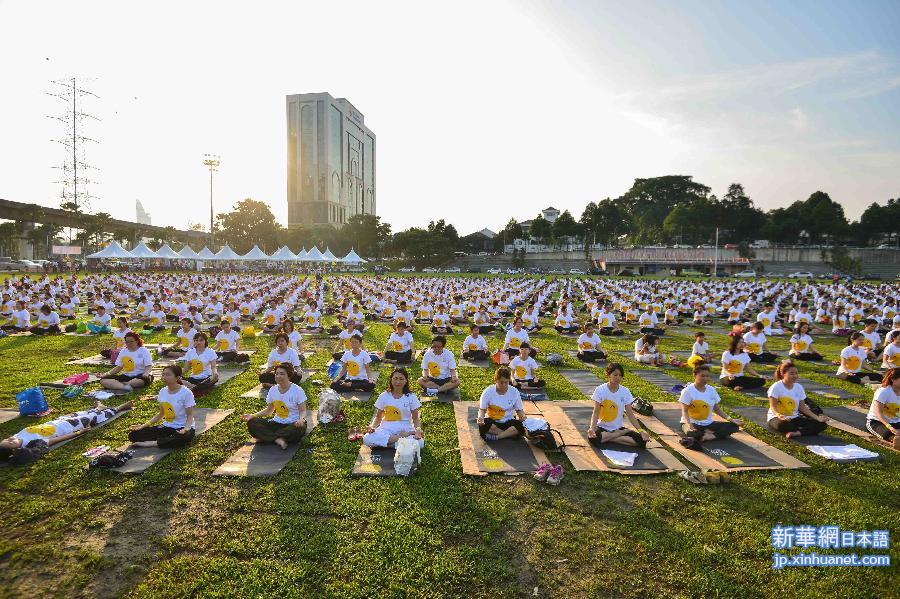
789 412
475 346
755 343
883 419
611 401
500 411
802 344
735 362
280 354
853 360
48 322
33 441
396 414
589 345
399 347
201 364
355 373
524 369
176 413
286 405
132 367
699 401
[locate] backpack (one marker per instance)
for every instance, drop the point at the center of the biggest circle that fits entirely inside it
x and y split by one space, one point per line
112 459
329 405
407 455
642 406
32 402
81 327
555 359
544 439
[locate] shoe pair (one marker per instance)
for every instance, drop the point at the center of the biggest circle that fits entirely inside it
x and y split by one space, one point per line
550 473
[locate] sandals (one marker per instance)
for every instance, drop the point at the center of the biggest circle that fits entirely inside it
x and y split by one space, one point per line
705 477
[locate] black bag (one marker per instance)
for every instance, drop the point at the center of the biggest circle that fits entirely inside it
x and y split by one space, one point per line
112 459
813 407
544 439
642 406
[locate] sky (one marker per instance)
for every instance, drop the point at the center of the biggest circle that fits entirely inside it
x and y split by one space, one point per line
483 111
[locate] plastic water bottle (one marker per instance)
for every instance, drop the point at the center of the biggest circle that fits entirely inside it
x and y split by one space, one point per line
159 349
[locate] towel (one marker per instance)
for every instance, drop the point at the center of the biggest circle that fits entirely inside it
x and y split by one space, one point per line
620 458
841 452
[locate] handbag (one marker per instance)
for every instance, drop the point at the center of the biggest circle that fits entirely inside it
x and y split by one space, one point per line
31 402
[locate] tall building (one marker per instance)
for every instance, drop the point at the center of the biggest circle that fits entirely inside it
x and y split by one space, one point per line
331 161
142 217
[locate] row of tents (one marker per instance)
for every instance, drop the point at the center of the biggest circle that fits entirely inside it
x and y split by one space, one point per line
142 252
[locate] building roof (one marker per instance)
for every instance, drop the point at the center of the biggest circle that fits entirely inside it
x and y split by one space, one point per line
550 208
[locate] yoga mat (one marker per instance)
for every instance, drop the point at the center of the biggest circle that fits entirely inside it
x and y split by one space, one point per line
825 390
7 415
448 397
658 379
262 459
757 415
479 364
144 457
574 354
740 451
93 378
510 456
571 419
376 461
583 380
852 419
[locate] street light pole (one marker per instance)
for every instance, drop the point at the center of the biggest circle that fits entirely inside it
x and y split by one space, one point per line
211 161
716 256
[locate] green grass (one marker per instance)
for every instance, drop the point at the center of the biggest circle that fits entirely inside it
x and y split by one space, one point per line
313 530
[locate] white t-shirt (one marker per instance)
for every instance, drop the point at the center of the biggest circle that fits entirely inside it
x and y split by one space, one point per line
119 337
855 359
700 403
400 343
345 336
589 343
157 319
870 340
890 405
516 339
294 339
227 341
612 405
175 406
438 366
733 365
290 355
134 363
500 408
523 369
700 349
786 400
356 365
198 365
754 342
891 356
47 431
397 415
22 319
475 343
800 343
185 338
48 320
288 405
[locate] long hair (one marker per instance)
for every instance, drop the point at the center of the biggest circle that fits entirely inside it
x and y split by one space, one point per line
890 376
783 368
405 373
732 347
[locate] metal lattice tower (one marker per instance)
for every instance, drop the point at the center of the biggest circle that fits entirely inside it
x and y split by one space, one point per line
74 167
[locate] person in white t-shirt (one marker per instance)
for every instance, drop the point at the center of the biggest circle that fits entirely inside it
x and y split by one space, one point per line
355 373
524 370
475 347
201 363
19 320
48 322
755 344
32 441
176 415
589 345
883 419
399 347
285 417
500 409
156 319
515 337
789 413
184 337
438 368
736 370
343 340
612 401
853 360
699 401
699 351
227 345
802 344
890 358
396 414
440 321
281 353
132 366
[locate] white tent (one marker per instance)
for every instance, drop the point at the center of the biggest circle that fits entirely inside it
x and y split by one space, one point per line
352 258
329 256
301 255
166 252
255 254
113 250
314 255
187 252
283 254
142 251
206 254
226 253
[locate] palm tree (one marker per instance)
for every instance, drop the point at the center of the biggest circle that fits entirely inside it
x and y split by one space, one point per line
10 233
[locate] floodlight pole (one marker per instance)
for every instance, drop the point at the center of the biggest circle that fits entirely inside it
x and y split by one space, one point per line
212 161
716 256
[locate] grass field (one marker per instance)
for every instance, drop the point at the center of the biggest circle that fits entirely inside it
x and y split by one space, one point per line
313 530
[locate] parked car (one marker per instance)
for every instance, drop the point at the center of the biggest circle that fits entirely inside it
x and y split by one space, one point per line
7 263
429 269
599 272
379 268
408 269
576 271
30 266
746 274
556 271
801 274
452 269
730 246
494 271
627 273
513 271
705 246
682 246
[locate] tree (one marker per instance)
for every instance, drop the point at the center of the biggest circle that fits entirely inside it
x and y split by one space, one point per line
366 233
10 232
603 222
510 233
649 202
250 223
41 237
566 227
841 260
541 230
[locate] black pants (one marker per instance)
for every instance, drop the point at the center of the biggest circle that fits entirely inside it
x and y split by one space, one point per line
166 437
591 355
512 422
53 328
876 427
200 382
353 385
653 331
486 328
445 330
806 426
232 356
569 330
528 383
860 377
719 429
267 430
476 355
609 331
765 357
268 378
397 356
747 382
806 357
633 435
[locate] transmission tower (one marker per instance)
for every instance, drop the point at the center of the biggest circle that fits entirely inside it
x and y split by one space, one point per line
74 167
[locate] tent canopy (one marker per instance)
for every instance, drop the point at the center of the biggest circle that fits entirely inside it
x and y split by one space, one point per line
255 254
329 256
283 254
301 255
226 253
314 255
113 250
166 252
187 252
352 258
142 251
206 254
